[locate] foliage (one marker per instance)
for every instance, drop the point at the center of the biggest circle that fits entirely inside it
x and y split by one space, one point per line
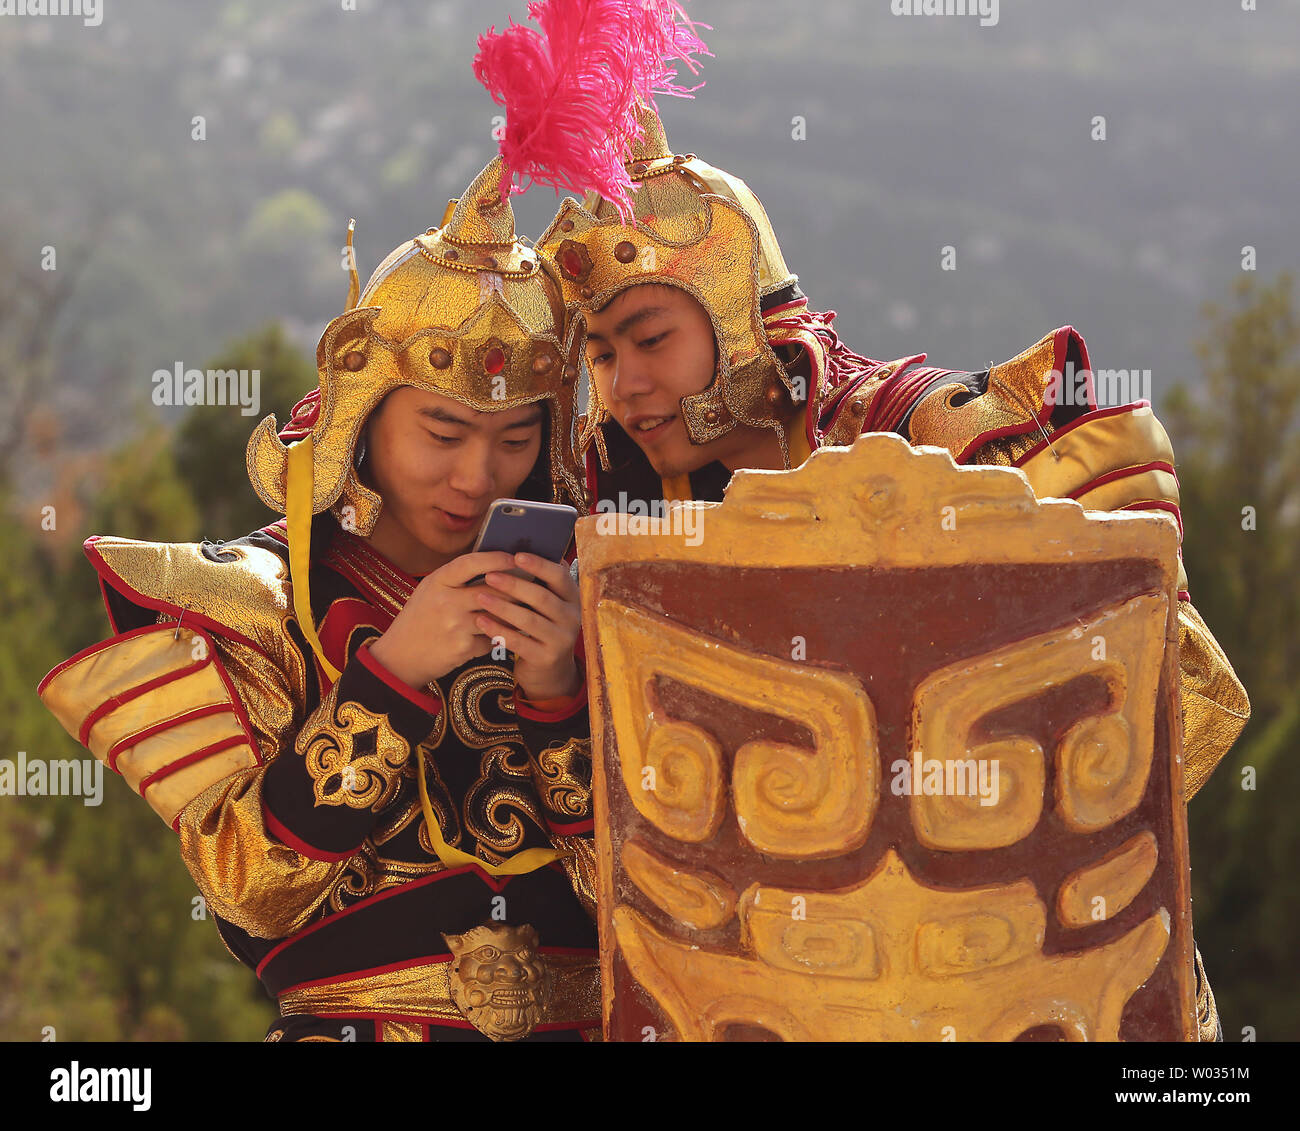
210 442
1239 475
96 907
97 918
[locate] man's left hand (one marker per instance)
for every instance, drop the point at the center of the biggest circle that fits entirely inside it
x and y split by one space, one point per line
539 622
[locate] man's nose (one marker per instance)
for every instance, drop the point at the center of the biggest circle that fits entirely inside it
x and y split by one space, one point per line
632 378
473 475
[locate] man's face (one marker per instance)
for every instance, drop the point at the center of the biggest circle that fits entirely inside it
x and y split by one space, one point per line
439 464
646 350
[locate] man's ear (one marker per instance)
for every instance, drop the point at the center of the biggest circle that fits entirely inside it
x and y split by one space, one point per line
363 457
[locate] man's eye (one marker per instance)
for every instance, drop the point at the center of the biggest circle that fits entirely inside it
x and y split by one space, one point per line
517 445
600 360
649 343
448 440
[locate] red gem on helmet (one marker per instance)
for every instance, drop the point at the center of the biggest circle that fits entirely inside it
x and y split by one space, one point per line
571 262
494 360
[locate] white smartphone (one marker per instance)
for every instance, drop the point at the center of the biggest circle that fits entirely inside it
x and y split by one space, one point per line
519 526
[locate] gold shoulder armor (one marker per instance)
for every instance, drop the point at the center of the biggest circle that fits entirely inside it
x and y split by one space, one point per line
1109 460
156 706
1014 403
1103 458
1216 707
247 596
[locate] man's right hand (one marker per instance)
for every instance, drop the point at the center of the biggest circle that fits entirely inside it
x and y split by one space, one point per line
435 631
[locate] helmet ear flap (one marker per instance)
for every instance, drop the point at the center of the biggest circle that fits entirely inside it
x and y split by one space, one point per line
345 336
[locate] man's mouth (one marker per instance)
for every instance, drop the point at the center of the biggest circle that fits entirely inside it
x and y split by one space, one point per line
458 521
643 426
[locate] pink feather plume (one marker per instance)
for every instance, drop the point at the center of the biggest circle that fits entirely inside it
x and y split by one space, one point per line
571 89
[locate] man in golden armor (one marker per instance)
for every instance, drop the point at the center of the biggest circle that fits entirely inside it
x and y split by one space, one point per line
390 825
705 358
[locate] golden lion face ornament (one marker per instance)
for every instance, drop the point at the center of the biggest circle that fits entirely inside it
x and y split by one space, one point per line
499 980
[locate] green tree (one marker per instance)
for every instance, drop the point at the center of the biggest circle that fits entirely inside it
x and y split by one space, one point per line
138 960
209 445
1239 472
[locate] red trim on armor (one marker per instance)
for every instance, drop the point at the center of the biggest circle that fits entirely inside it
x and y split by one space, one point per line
407 1018
240 713
1060 346
345 616
577 829
1086 418
1121 473
114 701
361 555
190 616
108 609
451 1023
424 702
1158 505
1071 332
496 883
283 833
99 647
1184 595
377 599
190 759
235 705
793 304
897 395
388 968
184 717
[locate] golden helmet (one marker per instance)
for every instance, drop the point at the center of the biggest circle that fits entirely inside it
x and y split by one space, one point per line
699 229
464 310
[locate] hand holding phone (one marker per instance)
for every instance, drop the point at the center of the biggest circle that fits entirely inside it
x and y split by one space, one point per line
539 620
519 526
443 612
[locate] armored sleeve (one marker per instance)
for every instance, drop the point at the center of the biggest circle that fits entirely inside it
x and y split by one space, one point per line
557 735
1121 459
268 808
266 844
1038 412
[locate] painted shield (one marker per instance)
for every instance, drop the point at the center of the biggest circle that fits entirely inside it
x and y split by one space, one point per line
888 749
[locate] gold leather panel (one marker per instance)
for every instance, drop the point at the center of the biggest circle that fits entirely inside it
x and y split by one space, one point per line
121 669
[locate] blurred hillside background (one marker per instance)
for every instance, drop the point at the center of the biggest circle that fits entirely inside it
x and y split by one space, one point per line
920 133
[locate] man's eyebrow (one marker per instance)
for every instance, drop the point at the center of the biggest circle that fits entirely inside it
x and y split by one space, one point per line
637 316
527 422
444 417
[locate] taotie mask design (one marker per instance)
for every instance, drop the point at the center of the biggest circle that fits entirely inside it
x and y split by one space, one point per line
499 980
